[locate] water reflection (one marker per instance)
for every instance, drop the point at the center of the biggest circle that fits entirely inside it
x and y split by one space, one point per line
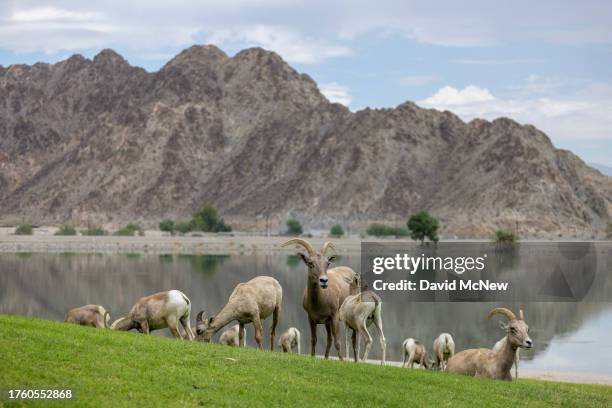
47 285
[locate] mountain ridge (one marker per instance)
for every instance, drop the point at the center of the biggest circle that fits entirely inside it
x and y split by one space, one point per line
101 141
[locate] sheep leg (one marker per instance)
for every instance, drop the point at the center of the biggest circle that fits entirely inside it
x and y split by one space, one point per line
258 331
346 337
381 335
241 335
187 326
299 347
144 326
335 326
275 316
313 336
174 329
354 346
329 338
368 341
411 361
405 353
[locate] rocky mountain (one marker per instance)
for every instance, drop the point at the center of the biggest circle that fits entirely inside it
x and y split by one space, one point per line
99 141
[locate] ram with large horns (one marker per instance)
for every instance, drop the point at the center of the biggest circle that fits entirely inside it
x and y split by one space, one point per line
489 363
325 291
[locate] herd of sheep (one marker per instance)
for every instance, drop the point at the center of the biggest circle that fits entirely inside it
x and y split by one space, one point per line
331 296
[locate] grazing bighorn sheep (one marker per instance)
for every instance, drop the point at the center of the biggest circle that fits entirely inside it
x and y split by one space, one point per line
231 336
499 345
324 293
358 312
89 315
250 302
159 311
494 364
290 340
443 349
414 352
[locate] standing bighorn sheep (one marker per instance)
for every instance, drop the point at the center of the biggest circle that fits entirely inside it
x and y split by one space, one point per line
443 349
324 293
414 351
290 340
159 311
89 315
494 364
358 312
250 302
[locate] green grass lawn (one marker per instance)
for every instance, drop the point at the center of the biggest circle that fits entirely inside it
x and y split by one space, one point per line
108 368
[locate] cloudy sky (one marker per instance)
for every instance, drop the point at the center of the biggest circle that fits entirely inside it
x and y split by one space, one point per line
542 62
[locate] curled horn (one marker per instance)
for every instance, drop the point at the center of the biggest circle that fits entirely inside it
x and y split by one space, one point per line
200 316
305 244
521 315
326 246
502 311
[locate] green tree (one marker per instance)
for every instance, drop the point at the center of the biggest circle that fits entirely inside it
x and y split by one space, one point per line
94 230
294 227
423 225
167 226
24 229
66 230
207 220
383 230
336 231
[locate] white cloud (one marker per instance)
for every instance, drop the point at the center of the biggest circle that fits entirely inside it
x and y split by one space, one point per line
417 80
578 117
336 93
290 44
496 61
46 14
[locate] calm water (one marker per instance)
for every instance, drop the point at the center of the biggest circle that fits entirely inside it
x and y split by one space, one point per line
47 285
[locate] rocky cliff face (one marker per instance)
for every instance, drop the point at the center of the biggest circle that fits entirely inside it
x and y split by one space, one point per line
104 142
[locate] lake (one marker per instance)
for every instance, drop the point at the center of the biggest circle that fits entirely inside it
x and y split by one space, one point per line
567 335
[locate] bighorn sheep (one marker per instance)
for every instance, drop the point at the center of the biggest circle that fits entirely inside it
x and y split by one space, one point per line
324 293
231 336
414 352
358 312
443 349
290 340
89 315
494 364
159 311
250 302
499 345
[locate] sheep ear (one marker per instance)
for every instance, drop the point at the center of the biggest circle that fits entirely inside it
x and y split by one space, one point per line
210 320
503 325
304 257
332 258
347 280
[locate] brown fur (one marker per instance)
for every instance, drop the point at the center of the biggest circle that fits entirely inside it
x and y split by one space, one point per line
324 293
418 355
489 363
89 315
250 302
159 311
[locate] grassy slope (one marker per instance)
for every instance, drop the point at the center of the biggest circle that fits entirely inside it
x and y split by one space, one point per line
125 369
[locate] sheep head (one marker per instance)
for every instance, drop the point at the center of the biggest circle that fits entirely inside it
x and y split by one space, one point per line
204 332
516 328
125 323
317 262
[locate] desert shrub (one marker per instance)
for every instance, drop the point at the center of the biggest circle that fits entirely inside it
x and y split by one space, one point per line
294 227
609 230
130 230
336 231
93 230
383 230
24 229
423 225
66 230
182 227
504 238
167 226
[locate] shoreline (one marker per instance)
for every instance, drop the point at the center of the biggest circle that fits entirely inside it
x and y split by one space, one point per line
211 244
